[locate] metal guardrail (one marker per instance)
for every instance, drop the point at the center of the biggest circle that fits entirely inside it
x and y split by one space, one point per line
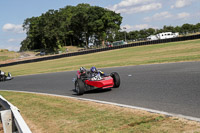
11 118
184 38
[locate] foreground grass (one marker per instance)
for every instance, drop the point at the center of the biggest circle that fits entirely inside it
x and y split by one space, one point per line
49 114
159 53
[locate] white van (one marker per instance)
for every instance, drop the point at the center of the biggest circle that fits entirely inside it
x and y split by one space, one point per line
166 35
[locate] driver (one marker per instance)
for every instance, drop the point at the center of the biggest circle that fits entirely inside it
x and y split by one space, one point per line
2 73
96 74
82 70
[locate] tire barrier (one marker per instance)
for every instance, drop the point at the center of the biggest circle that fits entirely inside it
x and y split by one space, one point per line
184 38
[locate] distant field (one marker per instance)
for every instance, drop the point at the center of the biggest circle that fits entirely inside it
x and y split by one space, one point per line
6 55
159 53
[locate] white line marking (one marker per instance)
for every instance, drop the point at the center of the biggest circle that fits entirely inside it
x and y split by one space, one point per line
120 105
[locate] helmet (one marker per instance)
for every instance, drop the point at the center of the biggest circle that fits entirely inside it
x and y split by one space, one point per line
82 69
93 69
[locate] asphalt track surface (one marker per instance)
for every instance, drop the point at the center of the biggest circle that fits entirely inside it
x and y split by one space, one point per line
172 88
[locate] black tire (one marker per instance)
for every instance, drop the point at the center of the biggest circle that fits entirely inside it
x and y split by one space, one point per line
79 87
3 78
116 79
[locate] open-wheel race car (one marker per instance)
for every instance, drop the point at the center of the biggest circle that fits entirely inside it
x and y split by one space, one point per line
95 79
3 76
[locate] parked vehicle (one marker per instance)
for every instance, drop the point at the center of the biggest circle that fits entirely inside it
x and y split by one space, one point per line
164 35
116 43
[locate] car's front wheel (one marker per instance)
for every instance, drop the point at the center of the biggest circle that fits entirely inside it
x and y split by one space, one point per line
116 79
79 87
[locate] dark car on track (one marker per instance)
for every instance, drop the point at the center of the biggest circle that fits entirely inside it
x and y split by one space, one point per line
3 76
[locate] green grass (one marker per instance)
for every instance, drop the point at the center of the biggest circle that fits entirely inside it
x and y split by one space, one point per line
160 53
62 115
3 58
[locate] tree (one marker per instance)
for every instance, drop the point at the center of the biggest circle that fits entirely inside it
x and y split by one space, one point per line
197 27
186 28
65 28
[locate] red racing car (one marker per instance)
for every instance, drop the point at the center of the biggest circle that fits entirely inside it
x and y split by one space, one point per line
85 82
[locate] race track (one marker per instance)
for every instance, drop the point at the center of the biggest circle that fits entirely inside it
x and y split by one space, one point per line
173 87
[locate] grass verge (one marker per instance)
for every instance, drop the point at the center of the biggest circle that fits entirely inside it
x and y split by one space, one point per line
159 53
50 114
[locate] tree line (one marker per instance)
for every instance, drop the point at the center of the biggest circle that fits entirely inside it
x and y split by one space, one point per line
144 33
71 25
79 25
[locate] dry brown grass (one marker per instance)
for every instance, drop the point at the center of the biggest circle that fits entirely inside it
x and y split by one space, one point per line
73 48
50 114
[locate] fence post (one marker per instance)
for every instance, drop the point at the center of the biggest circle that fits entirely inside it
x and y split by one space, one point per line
6 118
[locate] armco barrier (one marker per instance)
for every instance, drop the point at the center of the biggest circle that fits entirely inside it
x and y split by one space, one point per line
184 38
12 120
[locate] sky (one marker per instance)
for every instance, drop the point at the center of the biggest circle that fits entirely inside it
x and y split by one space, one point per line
137 14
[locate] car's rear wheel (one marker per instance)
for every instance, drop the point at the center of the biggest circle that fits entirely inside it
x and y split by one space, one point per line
79 87
116 79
